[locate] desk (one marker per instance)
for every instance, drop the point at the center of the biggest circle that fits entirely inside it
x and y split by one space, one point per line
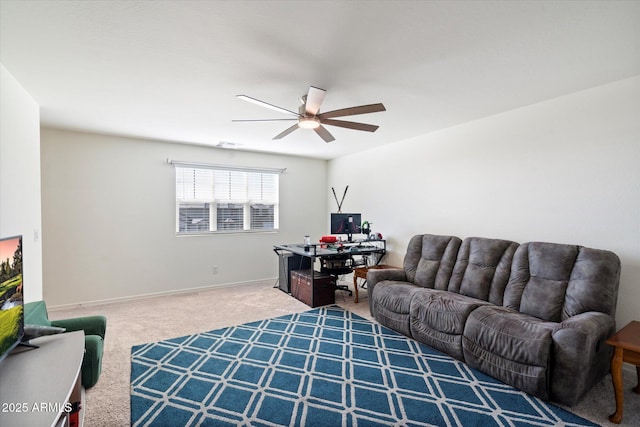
339 249
626 343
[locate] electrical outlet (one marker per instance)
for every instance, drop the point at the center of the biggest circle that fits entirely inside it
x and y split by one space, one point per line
214 270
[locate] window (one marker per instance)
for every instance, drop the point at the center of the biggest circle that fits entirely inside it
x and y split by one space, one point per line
193 217
210 199
262 217
230 216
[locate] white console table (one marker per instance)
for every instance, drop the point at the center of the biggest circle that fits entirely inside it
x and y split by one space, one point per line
37 385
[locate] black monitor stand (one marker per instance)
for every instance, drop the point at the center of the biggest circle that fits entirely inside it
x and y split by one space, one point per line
24 346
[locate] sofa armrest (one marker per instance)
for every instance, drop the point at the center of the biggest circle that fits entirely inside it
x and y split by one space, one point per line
91 325
374 276
378 275
581 357
92 361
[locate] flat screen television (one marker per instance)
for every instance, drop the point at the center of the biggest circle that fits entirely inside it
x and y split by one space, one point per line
346 223
11 300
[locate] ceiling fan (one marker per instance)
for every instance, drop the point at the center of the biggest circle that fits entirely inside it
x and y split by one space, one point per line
309 116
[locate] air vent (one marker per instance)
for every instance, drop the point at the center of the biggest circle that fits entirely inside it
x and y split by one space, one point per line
228 145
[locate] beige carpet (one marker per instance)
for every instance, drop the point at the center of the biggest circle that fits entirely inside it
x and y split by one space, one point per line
157 318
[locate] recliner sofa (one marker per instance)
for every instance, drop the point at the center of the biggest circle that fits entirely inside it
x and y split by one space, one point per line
533 315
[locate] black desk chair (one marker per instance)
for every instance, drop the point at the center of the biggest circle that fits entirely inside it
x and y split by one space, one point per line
336 266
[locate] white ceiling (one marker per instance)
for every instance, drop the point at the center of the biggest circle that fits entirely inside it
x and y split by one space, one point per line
170 70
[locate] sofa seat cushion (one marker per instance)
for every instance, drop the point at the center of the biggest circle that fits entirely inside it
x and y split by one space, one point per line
510 346
391 301
437 318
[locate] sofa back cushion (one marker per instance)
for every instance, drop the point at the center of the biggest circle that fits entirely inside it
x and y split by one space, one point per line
35 313
430 259
554 281
482 269
594 283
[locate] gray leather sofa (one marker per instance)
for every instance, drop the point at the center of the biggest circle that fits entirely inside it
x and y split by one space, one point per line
533 315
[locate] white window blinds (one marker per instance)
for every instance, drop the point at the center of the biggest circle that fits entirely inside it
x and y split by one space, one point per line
216 199
194 184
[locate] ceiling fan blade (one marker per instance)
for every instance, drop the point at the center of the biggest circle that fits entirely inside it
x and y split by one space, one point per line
286 132
263 120
315 96
266 105
350 125
324 134
352 111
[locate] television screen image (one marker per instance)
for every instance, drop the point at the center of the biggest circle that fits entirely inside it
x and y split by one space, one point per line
11 300
346 223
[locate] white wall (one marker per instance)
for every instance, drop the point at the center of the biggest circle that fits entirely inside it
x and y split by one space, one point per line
109 216
566 170
20 177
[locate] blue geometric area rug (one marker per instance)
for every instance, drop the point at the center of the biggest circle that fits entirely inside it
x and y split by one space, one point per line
324 367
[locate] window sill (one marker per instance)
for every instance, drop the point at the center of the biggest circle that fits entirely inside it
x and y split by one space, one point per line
218 233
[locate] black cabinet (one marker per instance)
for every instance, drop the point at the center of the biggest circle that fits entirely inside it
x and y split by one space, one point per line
288 263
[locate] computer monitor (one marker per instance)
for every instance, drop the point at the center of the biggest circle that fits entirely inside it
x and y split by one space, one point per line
346 223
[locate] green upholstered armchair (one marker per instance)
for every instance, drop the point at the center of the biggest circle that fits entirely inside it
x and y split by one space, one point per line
35 313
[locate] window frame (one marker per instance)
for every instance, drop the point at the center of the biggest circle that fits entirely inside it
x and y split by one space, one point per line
269 195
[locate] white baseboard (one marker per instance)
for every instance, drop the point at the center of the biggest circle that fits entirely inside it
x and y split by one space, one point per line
269 281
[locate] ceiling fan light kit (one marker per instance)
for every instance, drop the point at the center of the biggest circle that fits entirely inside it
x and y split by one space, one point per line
309 116
309 123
